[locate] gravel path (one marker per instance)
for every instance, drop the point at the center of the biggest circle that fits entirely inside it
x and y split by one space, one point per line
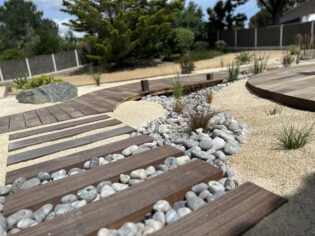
288 173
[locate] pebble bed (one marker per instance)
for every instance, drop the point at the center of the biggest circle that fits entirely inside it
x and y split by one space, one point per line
215 147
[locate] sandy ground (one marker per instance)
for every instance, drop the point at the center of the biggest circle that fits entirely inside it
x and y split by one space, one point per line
288 173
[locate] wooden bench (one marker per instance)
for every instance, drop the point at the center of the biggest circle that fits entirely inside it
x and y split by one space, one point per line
76 159
52 192
58 147
129 205
230 215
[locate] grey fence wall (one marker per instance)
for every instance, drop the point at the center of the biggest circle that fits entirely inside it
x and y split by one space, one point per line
38 65
272 37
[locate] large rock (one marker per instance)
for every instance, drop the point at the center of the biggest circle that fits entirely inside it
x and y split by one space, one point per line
54 92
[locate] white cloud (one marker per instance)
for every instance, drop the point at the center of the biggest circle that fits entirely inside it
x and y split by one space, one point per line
63 29
55 4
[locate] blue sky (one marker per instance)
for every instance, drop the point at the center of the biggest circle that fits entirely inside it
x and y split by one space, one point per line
51 9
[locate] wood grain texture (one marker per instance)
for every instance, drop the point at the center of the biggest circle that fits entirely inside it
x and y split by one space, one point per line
129 205
230 215
52 192
58 147
60 135
76 159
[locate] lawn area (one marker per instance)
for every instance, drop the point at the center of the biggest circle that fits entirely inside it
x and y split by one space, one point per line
205 54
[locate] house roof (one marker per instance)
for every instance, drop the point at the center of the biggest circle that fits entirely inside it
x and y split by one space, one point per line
304 9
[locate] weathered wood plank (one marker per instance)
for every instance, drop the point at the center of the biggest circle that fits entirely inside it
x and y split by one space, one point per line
80 107
17 122
230 215
60 135
4 124
70 110
59 114
52 192
57 127
45 116
129 205
76 159
54 148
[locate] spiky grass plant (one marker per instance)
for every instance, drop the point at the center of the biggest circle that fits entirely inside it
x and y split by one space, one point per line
200 119
287 60
178 87
233 72
274 111
178 106
260 64
97 78
20 82
209 96
244 58
292 137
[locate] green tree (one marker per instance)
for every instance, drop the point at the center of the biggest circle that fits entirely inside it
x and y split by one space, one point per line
184 39
261 19
192 18
23 28
123 29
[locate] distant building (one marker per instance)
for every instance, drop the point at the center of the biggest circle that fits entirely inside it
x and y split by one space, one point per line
302 13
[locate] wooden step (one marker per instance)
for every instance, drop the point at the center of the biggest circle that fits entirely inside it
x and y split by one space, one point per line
75 159
230 215
129 205
57 127
60 135
58 147
52 192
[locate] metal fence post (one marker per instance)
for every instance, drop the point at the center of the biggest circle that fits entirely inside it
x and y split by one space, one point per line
76 57
235 38
256 38
281 36
28 68
54 62
1 75
312 28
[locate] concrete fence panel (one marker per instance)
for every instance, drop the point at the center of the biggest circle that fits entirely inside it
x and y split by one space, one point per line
228 37
65 60
41 64
268 37
13 69
246 38
290 31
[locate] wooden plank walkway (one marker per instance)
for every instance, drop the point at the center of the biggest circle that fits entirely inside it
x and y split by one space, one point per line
97 102
230 215
52 192
129 205
294 87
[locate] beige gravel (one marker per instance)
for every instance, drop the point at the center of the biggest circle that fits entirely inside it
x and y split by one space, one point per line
288 173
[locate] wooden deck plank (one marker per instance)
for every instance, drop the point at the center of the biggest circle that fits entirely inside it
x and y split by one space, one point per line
60 135
82 108
58 147
230 215
4 124
74 113
17 122
45 116
75 159
99 107
57 127
129 205
52 192
32 119
59 114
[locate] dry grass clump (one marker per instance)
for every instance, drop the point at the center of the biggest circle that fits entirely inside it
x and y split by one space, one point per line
200 119
178 87
178 106
209 96
292 137
274 111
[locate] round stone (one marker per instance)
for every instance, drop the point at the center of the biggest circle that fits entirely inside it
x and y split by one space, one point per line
129 228
26 223
204 194
138 174
135 181
150 170
88 194
16 217
230 184
74 171
58 174
106 191
232 148
182 160
156 225
205 144
61 209
159 216
215 187
102 184
179 204
183 211
124 178
43 176
119 187
30 183
94 162
103 161
43 212
218 143
79 204
197 189
128 151
195 203
162 205
117 157
171 216
69 198
170 161
5 190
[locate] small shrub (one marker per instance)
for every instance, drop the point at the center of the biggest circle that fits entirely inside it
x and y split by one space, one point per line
20 82
178 87
97 78
201 45
287 61
298 59
209 96
295 50
274 111
244 58
233 72
40 81
292 137
221 45
184 39
186 64
200 119
260 64
178 106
